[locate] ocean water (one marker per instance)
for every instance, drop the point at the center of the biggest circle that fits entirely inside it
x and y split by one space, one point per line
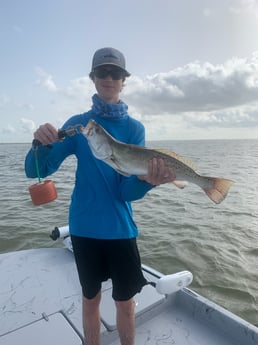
179 229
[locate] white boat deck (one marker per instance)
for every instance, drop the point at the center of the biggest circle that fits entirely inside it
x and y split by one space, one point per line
40 303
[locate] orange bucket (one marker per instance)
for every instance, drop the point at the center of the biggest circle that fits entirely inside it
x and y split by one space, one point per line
43 192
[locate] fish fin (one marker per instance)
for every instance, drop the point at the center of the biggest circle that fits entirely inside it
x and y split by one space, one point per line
111 162
180 184
182 159
123 172
219 189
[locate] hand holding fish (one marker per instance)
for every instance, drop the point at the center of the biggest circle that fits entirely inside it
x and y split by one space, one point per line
158 173
46 134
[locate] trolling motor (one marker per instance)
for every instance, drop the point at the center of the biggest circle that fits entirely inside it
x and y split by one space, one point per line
173 282
62 232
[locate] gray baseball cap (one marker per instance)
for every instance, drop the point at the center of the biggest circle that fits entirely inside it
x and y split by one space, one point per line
109 56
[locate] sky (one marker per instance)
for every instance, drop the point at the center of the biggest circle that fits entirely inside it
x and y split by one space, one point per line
193 64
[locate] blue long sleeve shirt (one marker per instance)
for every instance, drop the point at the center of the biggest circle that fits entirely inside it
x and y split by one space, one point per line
101 200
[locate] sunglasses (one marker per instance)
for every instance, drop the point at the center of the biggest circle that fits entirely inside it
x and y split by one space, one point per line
114 73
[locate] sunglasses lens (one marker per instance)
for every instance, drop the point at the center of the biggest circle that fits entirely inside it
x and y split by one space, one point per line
115 74
101 73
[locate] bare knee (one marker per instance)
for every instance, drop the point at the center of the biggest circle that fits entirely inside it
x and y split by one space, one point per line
92 305
125 307
125 321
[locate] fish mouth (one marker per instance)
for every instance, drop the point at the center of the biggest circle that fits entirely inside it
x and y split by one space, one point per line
88 130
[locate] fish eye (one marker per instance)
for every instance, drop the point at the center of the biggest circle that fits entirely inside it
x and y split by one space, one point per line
97 130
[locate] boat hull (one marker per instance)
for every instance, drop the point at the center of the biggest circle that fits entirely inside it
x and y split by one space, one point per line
40 302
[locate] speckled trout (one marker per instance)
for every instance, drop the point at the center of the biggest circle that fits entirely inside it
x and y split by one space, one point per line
128 159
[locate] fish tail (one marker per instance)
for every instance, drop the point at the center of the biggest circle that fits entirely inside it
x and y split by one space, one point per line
218 189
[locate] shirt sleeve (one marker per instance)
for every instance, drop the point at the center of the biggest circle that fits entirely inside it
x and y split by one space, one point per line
134 189
49 158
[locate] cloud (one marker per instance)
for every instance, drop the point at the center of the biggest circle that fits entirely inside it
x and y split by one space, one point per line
28 106
196 87
197 94
22 128
27 125
78 91
8 129
233 118
207 12
45 80
74 97
245 6
4 100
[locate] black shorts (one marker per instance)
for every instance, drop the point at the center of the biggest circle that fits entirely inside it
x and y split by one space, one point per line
98 260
